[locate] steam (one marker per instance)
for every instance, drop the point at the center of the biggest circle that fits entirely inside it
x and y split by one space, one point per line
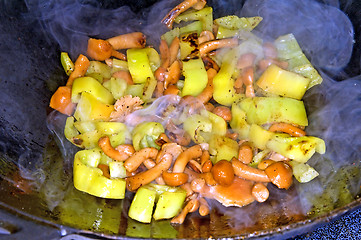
323 31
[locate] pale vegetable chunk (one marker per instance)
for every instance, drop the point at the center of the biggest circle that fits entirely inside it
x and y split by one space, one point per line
275 80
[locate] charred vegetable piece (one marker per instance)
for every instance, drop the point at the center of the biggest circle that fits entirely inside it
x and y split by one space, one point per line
299 149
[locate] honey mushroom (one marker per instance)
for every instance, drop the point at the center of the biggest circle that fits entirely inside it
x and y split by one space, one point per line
183 158
134 161
106 147
143 178
209 46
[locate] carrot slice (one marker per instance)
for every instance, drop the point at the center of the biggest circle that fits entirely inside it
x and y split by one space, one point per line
80 67
61 101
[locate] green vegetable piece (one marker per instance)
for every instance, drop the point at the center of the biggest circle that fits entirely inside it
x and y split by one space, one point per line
99 68
223 85
154 58
188 45
141 208
194 27
303 172
233 22
309 72
223 148
287 47
117 170
85 126
258 158
219 125
276 80
67 63
299 149
289 50
170 35
205 15
116 86
238 122
87 140
261 110
197 126
91 86
195 77
109 128
169 204
69 130
89 108
148 89
153 129
119 65
259 136
136 90
90 179
139 66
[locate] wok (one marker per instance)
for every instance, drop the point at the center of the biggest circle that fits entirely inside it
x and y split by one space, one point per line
37 197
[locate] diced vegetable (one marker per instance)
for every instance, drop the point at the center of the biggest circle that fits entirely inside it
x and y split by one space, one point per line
303 172
67 63
139 66
259 136
289 50
90 179
261 110
195 77
299 149
89 108
204 15
275 80
142 130
141 208
91 86
222 148
169 201
198 127
223 90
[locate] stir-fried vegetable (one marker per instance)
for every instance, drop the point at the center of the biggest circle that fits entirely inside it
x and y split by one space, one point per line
228 117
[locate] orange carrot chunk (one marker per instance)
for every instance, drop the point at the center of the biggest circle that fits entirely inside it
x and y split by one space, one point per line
61 101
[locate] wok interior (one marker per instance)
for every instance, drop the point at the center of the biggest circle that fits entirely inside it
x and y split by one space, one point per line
36 173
